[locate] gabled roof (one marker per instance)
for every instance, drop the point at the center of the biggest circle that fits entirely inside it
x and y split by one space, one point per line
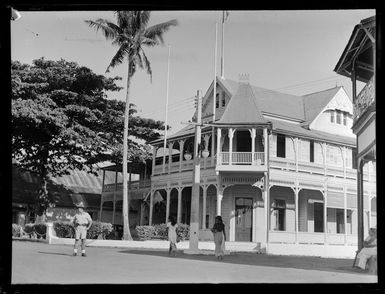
314 103
248 104
242 108
359 51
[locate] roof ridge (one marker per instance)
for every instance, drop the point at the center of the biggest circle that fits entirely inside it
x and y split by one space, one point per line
267 90
322 91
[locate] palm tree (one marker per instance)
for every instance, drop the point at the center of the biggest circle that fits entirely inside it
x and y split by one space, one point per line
131 34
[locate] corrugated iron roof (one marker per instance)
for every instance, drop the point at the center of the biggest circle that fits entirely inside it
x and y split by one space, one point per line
69 189
296 129
270 101
242 108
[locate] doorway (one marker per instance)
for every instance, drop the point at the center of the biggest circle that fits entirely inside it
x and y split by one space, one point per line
243 219
318 217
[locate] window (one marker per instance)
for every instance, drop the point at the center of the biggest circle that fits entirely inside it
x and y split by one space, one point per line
311 151
340 221
345 118
281 146
217 101
332 116
223 99
354 158
279 208
318 217
338 120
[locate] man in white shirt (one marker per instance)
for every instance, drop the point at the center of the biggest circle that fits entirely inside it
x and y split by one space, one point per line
82 222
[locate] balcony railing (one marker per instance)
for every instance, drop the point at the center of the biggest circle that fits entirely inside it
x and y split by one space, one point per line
241 158
135 185
311 238
364 100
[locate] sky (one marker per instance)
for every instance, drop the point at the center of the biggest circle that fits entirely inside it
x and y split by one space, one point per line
292 52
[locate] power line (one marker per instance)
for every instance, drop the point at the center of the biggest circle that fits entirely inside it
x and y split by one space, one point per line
181 109
308 82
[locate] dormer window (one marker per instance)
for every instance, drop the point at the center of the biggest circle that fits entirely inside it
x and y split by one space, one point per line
217 101
345 119
223 99
332 116
338 120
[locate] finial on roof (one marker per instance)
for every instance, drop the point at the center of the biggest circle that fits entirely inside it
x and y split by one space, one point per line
244 78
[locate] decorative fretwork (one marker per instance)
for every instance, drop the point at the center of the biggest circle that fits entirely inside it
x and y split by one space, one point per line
231 180
364 100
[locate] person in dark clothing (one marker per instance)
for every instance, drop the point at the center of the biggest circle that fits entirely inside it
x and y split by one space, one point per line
219 237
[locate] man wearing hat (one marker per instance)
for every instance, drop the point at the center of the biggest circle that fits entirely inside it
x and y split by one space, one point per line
82 222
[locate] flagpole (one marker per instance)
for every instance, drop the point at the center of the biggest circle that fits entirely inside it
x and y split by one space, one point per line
165 123
222 49
214 92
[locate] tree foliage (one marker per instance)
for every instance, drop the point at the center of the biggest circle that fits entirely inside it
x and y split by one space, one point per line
62 120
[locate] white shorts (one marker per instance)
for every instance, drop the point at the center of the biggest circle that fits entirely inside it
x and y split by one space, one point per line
80 232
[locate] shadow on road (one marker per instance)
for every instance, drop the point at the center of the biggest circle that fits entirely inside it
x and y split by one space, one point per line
55 253
298 262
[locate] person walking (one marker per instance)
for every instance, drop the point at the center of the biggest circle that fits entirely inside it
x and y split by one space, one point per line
82 222
172 225
219 237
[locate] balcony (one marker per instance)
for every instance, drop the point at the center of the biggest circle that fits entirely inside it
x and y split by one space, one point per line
135 186
241 162
365 100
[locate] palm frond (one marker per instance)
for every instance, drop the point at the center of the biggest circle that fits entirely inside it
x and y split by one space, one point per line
156 32
123 18
118 57
144 18
147 64
109 29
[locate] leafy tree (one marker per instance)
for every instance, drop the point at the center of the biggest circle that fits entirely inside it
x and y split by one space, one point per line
131 34
62 120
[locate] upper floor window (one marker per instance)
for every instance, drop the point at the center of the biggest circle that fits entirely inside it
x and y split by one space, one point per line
281 146
311 151
223 99
345 119
332 116
338 120
217 101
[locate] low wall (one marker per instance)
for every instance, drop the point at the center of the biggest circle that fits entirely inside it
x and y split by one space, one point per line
329 251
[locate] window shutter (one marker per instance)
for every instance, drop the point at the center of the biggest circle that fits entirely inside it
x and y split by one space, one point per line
289 148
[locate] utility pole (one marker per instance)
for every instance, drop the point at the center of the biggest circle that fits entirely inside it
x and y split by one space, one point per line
194 218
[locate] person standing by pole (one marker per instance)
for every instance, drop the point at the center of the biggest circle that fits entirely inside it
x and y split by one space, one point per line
82 222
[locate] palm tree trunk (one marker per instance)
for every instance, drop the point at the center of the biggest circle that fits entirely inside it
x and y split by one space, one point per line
126 225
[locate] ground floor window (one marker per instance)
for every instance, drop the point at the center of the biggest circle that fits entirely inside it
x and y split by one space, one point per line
279 212
340 221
